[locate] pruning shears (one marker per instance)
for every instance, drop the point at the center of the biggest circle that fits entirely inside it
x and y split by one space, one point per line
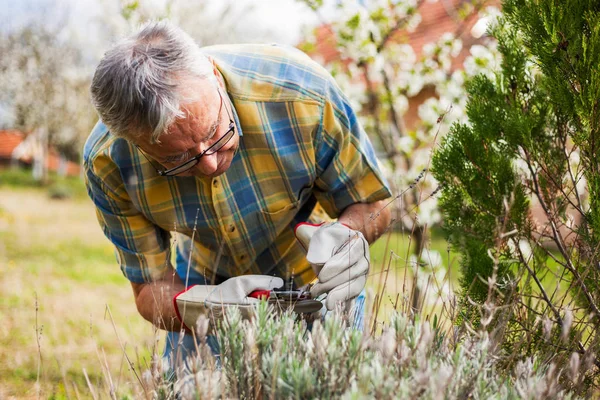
299 300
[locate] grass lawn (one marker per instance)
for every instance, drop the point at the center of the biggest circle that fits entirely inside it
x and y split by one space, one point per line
59 279
55 259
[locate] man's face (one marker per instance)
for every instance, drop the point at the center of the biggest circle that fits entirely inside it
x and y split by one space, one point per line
204 123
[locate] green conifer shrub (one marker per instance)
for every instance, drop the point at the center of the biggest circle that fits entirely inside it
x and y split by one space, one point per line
521 187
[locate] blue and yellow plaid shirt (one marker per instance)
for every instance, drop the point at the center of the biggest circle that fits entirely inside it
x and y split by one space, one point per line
301 151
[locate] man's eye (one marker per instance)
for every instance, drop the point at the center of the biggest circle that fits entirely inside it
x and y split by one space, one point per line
177 158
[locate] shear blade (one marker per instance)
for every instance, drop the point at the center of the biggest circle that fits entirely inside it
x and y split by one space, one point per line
307 306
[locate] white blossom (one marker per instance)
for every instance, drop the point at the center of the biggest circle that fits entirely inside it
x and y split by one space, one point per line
405 144
482 60
401 104
428 213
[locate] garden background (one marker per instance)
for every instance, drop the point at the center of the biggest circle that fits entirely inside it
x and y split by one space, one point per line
474 290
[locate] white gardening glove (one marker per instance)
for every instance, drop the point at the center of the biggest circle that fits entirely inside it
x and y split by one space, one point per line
212 300
340 258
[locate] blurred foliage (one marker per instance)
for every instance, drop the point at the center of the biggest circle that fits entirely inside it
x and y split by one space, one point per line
45 82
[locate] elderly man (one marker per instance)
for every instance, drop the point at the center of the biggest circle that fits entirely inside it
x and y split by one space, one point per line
223 150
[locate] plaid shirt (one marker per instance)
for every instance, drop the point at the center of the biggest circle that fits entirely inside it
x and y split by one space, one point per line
301 151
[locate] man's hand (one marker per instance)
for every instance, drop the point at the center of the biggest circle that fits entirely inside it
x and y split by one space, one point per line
154 300
340 258
212 300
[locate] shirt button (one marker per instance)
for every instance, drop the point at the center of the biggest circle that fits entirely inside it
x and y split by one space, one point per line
242 257
231 228
215 183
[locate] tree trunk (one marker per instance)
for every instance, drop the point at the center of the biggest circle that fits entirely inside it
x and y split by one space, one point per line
40 156
419 236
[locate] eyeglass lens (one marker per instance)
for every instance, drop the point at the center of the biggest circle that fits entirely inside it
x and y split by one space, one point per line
218 145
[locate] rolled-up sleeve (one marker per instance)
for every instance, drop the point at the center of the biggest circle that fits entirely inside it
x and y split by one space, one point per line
141 248
347 167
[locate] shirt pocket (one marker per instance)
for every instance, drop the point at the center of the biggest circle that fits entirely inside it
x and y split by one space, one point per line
278 216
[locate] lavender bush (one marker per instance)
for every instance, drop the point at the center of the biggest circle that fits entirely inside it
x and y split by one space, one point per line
277 357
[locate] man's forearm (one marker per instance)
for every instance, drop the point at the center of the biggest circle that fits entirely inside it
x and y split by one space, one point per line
154 301
372 219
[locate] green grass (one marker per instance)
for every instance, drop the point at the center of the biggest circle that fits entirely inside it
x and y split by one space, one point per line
395 250
17 177
403 247
69 186
86 264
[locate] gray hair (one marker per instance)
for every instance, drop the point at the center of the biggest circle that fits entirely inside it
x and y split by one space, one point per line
137 88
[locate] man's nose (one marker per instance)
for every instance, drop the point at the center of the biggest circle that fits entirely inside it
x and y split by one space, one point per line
208 164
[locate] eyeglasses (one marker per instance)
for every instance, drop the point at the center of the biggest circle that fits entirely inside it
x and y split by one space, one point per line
192 162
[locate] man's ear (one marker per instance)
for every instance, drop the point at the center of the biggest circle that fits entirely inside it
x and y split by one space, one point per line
216 73
215 70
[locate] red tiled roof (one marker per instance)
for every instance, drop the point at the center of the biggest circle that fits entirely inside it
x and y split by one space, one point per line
9 140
